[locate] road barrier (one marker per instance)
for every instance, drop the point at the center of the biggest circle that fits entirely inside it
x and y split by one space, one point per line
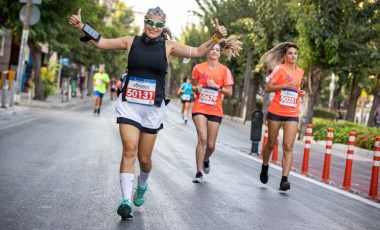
326 164
349 161
306 152
375 171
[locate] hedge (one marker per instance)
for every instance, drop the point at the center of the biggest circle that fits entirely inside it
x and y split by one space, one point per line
365 136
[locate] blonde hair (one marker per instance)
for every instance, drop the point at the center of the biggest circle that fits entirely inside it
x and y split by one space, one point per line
275 56
231 47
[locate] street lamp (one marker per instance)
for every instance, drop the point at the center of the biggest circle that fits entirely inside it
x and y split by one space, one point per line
30 15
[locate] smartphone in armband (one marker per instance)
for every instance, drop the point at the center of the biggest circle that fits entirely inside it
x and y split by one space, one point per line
91 32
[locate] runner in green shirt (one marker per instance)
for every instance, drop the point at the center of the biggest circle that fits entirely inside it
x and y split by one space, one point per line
101 79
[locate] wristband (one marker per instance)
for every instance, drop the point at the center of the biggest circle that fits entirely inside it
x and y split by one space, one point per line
216 40
85 38
90 34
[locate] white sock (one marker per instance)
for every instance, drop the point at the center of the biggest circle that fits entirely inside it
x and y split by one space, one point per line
143 178
126 184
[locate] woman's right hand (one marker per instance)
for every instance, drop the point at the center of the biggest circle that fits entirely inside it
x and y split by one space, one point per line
76 20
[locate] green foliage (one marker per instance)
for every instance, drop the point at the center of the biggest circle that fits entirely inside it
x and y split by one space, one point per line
49 88
324 113
229 106
49 80
365 136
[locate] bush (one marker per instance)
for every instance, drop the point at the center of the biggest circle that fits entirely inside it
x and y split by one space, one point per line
48 89
323 113
365 136
229 106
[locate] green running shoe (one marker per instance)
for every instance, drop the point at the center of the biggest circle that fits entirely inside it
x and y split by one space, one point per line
138 198
125 209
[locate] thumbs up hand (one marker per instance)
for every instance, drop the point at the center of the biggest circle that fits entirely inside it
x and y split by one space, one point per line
220 31
76 21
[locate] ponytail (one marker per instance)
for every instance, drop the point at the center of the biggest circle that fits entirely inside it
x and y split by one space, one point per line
231 47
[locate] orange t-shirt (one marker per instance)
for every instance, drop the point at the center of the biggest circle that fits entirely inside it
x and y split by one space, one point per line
286 102
209 101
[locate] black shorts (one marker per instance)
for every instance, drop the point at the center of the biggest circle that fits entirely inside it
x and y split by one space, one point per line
275 117
210 117
186 101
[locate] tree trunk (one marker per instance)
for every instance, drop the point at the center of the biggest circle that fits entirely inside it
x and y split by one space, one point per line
317 96
352 100
39 87
247 78
336 103
375 103
252 94
313 82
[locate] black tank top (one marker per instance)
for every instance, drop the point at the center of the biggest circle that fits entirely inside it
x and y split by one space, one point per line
147 59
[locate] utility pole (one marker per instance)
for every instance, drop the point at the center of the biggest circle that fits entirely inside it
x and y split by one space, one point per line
21 62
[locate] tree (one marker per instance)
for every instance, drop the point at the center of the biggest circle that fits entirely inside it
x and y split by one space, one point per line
53 28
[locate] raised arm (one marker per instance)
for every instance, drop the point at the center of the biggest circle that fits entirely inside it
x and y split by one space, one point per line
184 51
121 43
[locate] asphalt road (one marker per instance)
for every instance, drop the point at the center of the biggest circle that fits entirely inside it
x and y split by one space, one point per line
59 170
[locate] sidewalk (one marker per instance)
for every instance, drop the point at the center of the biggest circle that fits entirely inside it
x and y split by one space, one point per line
55 101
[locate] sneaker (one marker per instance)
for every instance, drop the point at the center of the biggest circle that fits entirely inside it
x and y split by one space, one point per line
138 198
206 167
95 110
264 176
185 121
98 111
284 185
124 210
198 178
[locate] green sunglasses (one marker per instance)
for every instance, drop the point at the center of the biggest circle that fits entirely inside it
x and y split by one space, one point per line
152 23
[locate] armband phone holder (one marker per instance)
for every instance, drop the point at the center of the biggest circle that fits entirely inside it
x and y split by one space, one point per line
91 34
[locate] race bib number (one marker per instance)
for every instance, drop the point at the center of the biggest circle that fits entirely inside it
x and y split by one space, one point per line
289 98
208 96
99 81
141 91
186 97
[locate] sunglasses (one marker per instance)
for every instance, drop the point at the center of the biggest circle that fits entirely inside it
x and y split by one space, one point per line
152 23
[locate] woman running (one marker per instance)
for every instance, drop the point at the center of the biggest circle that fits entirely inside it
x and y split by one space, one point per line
141 106
212 80
284 81
185 93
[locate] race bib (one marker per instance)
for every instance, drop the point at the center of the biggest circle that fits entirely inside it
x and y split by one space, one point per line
141 91
289 98
208 96
99 81
185 97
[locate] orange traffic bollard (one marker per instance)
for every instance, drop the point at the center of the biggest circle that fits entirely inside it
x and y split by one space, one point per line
306 152
275 151
375 171
265 141
326 165
349 161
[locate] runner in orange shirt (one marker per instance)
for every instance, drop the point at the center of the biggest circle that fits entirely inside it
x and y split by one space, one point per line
212 80
285 81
